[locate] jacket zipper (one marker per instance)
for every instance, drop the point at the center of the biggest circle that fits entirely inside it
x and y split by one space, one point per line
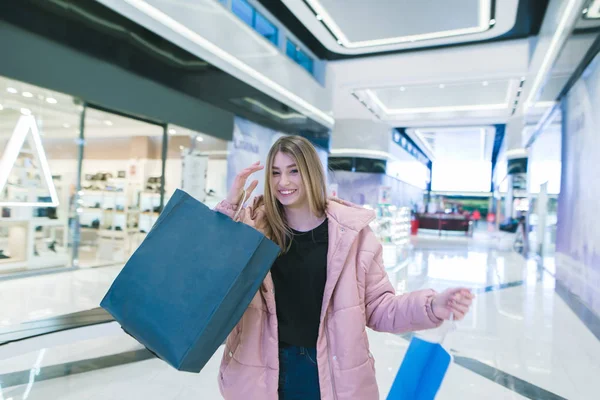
330 362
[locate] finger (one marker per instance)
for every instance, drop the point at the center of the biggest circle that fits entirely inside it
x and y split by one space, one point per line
251 188
457 308
464 302
458 316
245 173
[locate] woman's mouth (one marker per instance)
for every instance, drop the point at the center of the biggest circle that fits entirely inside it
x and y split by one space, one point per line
287 192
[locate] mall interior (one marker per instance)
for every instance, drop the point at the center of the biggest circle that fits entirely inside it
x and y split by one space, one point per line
466 125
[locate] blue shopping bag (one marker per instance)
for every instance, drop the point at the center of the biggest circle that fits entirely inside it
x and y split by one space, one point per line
189 282
422 371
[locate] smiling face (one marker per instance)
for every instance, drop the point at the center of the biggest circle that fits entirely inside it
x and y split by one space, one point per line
286 182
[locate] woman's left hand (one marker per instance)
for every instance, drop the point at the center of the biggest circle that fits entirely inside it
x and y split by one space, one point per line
455 301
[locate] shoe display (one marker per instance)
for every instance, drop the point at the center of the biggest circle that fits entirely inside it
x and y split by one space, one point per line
52 246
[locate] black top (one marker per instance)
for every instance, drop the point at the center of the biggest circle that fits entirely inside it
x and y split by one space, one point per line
299 277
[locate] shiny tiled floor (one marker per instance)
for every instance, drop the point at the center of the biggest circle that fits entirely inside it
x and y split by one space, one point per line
537 347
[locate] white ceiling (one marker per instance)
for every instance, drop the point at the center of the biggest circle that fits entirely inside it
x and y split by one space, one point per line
429 98
362 27
383 19
468 86
469 143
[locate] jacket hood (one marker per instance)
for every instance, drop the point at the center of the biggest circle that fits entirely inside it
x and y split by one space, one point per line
349 215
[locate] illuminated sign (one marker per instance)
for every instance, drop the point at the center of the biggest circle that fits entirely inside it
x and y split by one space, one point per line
26 129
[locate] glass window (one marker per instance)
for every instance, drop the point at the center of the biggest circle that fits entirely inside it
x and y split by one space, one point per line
290 49
266 28
304 60
301 57
256 20
120 182
245 11
196 163
38 176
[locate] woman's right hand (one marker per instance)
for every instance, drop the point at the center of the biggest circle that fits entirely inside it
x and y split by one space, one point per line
237 188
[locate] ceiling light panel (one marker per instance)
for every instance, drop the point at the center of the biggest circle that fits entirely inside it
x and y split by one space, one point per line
464 96
368 24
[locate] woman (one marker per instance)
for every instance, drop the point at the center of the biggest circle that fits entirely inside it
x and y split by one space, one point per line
304 334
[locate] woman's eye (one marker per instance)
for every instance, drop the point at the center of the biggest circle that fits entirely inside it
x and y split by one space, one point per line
275 173
294 171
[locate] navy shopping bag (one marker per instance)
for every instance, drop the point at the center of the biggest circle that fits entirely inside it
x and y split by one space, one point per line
422 371
189 282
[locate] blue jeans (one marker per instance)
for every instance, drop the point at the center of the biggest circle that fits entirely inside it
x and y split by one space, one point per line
298 374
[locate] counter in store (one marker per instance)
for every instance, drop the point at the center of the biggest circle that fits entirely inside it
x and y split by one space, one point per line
445 222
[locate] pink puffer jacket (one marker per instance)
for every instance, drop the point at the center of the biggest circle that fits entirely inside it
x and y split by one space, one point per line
358 294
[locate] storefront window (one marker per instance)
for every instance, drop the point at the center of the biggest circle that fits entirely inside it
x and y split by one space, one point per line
82 187
39 131
120 182
196 163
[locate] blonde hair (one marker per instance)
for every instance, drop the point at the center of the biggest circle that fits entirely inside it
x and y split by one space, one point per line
313 177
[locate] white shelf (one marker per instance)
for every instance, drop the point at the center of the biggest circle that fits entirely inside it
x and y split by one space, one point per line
112 232
37 221
102 193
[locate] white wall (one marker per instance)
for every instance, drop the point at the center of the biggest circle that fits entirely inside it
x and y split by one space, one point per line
544 164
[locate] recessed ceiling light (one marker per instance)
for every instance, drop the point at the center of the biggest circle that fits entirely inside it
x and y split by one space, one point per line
442 86
172 131
402 88
180 147
27 94
25 111
11 90
319 17
492 22
65 125
1 108
51 100
199 138
485 83
108 122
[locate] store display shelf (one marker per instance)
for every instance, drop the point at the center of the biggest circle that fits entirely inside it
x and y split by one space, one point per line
103 193
103 210
112 232
5 261
48 260
37 221
9 264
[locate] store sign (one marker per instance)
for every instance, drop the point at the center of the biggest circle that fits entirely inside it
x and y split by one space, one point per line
26 132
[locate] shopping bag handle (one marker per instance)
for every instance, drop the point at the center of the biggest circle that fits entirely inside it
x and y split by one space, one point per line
240 206
451 329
